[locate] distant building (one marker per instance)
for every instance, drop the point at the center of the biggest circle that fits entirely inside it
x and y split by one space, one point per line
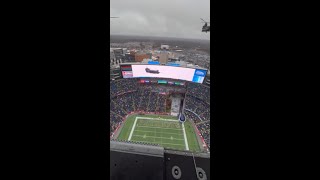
129 58
172 55
112 56
163 46
140 57
182 63
150 55
118 53
163 57
132 53
145 61
124 51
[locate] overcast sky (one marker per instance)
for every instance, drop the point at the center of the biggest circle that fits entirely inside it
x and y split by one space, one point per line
166 18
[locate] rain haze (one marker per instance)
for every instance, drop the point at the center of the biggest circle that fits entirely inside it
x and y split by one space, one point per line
161 18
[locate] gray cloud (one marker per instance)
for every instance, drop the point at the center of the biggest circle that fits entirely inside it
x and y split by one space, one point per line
167 18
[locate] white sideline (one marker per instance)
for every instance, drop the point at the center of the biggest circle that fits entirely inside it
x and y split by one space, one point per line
159 137
134 125
185 137
157 119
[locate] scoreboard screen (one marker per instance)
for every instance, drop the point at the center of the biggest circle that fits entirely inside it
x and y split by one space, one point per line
159 71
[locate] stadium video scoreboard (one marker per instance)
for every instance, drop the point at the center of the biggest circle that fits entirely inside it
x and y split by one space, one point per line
160 71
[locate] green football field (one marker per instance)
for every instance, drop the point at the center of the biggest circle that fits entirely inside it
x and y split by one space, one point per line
164 130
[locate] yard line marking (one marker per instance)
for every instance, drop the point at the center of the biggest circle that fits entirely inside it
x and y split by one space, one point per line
134 125
161 131
155 132
159 127
162 143
185 137
172 138
179 134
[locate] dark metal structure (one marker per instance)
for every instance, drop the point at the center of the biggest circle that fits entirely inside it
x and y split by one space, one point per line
145 161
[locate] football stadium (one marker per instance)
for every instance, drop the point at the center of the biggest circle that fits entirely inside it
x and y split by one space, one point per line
161 105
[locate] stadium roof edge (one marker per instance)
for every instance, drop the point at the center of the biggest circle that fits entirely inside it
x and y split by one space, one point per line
188 153
131 147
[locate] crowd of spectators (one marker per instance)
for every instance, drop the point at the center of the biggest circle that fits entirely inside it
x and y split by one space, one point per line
191 116
198 106
153 98
203 126
204 129
122 86
161 104
115 122
198 102
144 99
200 91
